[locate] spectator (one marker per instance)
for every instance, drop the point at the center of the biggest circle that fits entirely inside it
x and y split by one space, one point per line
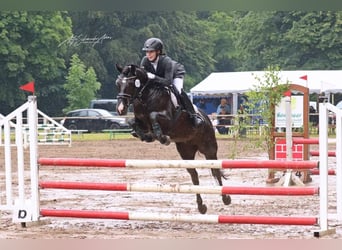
201 104
223 121
213 119
242 121
223 105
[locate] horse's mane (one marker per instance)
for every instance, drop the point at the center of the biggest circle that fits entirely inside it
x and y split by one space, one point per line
128 69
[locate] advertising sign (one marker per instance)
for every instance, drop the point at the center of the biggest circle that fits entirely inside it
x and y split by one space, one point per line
296 113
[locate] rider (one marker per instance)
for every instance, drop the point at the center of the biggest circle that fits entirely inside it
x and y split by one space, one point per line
162 69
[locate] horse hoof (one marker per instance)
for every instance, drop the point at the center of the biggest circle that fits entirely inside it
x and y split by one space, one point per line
226 199
165 140
134 134
148 138
202 209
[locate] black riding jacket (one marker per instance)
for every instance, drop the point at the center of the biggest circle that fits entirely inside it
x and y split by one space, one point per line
167 69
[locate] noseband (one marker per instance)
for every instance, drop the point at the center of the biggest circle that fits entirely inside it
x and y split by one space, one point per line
128 96
124 80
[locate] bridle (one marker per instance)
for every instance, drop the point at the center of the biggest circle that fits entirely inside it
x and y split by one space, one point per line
124 80
129 97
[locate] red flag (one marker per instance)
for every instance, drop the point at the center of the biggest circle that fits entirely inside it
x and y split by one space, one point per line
287 93
28 87
304 77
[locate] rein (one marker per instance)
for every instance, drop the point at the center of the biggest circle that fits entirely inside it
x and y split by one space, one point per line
128 96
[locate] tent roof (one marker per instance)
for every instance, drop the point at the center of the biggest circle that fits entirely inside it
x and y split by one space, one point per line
329 81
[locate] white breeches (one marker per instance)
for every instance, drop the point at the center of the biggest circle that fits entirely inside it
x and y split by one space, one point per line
178 82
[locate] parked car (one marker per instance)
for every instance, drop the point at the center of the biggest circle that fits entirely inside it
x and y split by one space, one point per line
93 120
107 104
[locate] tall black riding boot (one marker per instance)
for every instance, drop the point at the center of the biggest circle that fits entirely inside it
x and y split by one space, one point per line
196 118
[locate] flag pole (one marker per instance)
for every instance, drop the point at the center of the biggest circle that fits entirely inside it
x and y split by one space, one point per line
305 77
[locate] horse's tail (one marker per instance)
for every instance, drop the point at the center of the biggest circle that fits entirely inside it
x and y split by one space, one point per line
223 175
218 174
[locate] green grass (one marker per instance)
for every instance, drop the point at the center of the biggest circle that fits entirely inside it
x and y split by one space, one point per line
100 136
127 136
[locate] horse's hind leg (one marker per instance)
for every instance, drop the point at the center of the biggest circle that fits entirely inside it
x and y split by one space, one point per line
217 173
210 152
202 208
187 152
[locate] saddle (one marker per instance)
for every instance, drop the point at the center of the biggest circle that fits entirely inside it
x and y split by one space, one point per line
182 99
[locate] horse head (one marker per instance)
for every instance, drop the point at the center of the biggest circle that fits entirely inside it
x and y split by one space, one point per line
131 80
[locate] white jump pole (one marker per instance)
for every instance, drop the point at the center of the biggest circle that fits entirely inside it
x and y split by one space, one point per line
8 163
20 157
288 174
7 123
323 167
32 121
338 143
339 164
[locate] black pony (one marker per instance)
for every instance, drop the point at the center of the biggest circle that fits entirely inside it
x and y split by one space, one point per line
156 118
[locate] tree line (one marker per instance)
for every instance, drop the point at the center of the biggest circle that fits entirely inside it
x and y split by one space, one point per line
73 54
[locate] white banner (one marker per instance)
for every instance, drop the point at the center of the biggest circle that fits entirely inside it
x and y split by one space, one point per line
296 111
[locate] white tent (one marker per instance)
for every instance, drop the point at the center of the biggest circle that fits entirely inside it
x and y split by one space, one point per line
222 83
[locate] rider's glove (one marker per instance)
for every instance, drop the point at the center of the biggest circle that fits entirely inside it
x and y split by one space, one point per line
150 75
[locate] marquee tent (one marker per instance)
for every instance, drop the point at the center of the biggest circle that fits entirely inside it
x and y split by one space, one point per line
222 83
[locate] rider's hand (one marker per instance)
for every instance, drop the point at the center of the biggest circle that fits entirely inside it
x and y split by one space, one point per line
150 75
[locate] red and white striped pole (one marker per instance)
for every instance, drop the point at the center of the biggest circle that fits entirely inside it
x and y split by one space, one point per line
229 164
197 218
177 188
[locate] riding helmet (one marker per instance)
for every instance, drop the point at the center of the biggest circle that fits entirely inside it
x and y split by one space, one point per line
153 44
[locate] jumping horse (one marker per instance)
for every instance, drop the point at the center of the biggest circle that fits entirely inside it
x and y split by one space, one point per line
157 118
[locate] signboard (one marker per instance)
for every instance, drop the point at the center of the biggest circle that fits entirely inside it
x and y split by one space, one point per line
296 113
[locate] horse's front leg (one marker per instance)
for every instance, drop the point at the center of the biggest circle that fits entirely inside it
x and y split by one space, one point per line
139 130
157 130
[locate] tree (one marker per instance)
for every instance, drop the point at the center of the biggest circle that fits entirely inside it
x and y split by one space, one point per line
186 38
35 46
81 85
293 39
315 39
263 99
30 50
221 26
